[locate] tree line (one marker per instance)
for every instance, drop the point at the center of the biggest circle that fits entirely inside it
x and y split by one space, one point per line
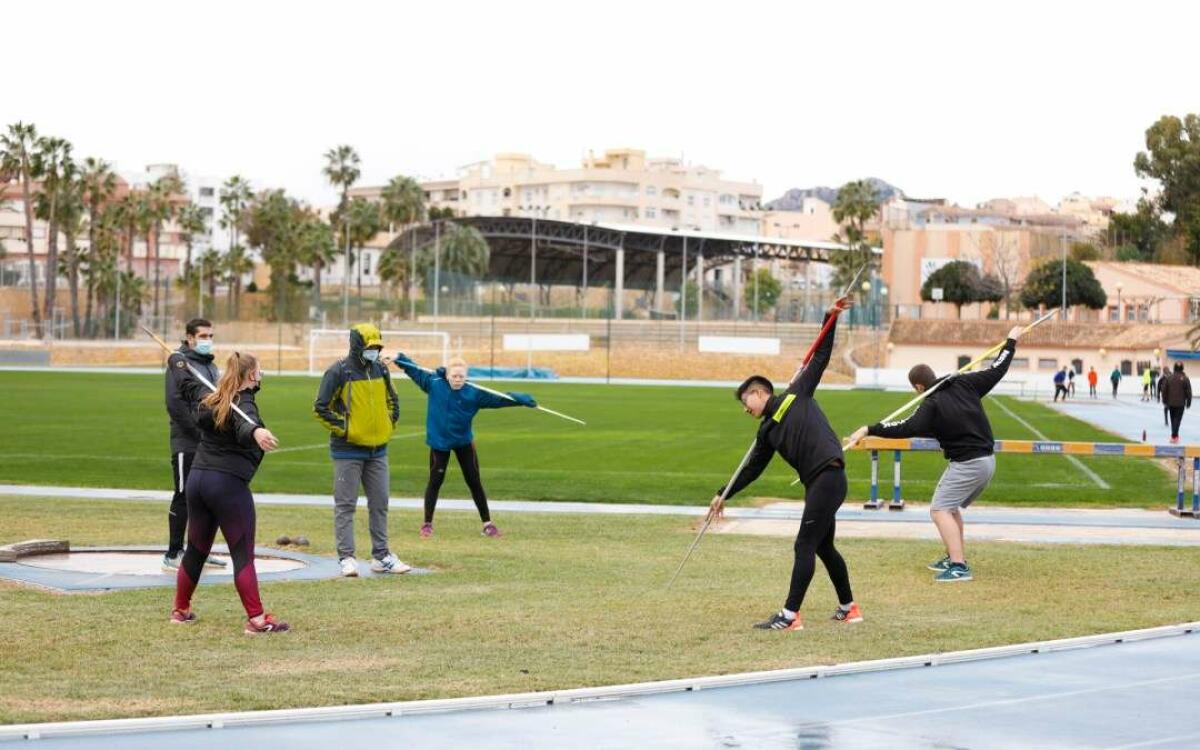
93 221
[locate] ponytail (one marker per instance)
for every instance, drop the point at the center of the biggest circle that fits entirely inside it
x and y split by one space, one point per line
221 402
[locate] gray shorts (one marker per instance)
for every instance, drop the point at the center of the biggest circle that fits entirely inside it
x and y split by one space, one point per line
962 482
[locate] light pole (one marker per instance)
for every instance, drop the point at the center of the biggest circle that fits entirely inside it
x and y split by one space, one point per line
1120 309
866 289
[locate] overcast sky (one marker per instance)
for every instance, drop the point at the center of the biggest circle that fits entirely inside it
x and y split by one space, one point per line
957 99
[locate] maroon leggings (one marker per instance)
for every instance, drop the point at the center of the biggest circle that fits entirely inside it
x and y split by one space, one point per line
219 500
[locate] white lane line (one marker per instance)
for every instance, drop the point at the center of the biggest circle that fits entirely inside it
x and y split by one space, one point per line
1073 459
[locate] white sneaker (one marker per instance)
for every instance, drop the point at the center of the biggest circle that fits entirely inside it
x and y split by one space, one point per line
390 564
216 562
171 564
349 567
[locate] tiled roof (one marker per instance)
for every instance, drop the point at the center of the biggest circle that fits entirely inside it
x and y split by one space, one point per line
1184 279
985 333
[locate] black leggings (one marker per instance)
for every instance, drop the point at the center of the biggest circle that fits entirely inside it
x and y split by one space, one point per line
219 500
822 499
468 461
1176 419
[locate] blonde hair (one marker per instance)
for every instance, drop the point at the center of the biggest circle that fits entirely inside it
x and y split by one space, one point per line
456 362
221 402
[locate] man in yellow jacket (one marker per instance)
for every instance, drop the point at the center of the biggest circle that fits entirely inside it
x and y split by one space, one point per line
357 404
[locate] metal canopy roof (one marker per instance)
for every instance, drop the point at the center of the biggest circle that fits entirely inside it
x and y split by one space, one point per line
561 247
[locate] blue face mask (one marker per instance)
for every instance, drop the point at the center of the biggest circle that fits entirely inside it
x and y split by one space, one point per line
371 355
204 346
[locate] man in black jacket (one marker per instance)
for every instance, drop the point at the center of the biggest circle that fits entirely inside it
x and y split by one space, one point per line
196 350
1177 396
954 415
794 426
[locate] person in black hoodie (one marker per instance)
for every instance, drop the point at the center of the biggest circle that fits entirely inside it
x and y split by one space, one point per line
794 426
194 350
1177 396
218 491
954 415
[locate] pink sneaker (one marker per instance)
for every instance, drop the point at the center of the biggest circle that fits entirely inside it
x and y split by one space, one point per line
489 529
270 625
426 530
179 617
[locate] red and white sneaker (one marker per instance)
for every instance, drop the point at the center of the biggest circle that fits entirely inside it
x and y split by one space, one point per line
269 625
852 615
490 530
180 617
426 530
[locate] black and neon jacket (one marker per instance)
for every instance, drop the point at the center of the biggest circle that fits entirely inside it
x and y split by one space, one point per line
449 413
356 401
181 398
794 426
954 412
232 448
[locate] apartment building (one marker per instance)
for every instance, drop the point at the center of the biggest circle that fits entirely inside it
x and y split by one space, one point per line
622 186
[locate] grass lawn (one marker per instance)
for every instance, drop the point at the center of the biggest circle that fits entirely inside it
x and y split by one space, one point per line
643 444
561 601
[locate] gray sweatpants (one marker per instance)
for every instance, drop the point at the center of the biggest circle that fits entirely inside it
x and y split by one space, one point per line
372 473
962 482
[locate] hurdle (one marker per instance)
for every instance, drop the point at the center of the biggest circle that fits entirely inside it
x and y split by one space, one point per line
1181 454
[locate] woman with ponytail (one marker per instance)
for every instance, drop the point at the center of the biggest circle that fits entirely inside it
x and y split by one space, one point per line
218 491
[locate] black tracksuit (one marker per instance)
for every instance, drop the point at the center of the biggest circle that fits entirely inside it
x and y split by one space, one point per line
182 394
1176 396
954 412
219 497
794 426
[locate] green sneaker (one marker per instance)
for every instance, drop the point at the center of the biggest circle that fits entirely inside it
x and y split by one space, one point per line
954 573
937 566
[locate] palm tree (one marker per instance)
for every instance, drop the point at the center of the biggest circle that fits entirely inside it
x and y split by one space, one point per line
16 158
403 205
342 170
461 250
395 269
100 261
236 264
235 197
317 248
209 265
364 223
52 161
72 213
191 221
160 208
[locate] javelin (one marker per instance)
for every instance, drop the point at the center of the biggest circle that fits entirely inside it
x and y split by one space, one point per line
708 518
197 374
501 394
825 328
921 396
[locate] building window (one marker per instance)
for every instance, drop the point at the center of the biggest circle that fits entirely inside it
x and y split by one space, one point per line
1126 367
206 192
1047 364
651 190
706 201
691 199
1077 366
1114 315
1022 362
651 213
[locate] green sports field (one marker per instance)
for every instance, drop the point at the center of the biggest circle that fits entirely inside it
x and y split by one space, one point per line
643 444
